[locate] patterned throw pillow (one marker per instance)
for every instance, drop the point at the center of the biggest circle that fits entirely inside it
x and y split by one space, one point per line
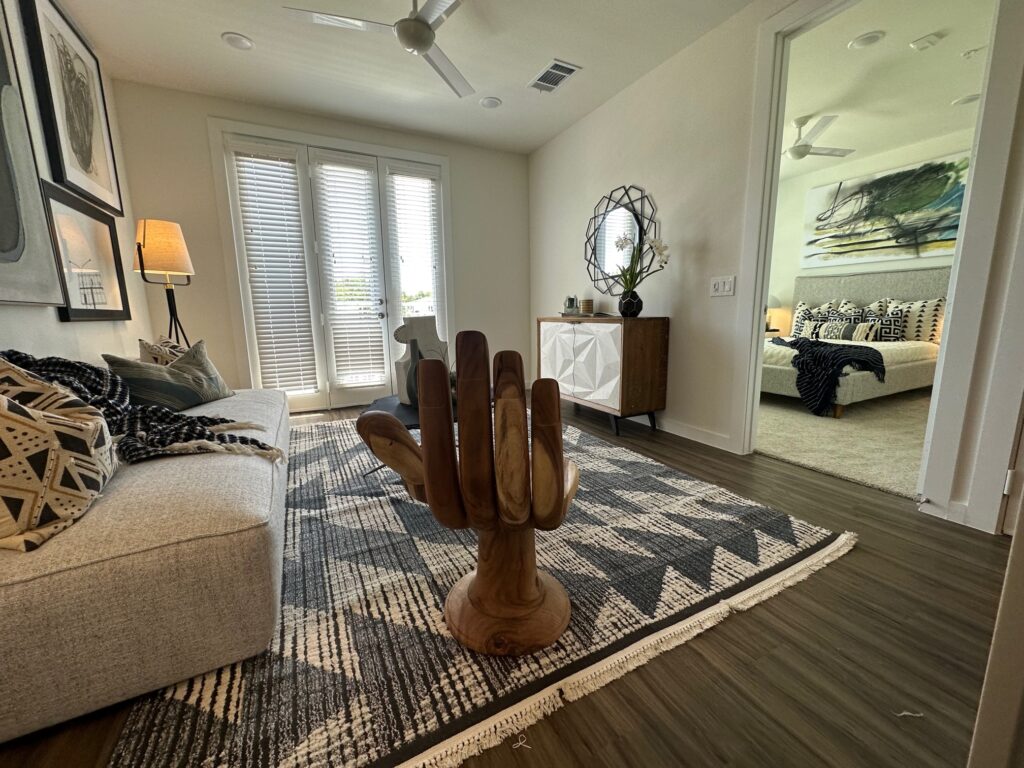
863 332
188 381
803 312
164 352
850 314
879 307
888 327
922 320
835 330
55 457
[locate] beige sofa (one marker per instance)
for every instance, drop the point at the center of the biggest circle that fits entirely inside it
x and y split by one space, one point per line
175 570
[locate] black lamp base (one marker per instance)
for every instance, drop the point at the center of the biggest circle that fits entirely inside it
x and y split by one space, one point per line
175 330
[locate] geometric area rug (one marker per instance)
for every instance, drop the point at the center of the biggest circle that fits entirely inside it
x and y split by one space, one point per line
363 671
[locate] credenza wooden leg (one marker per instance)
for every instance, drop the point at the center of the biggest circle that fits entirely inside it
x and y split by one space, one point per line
615 423
650 418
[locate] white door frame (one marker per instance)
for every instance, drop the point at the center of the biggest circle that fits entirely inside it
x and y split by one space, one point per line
966 326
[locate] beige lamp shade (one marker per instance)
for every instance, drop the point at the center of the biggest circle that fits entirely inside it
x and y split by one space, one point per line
163 248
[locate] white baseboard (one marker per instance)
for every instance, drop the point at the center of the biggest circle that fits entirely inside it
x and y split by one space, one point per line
697 434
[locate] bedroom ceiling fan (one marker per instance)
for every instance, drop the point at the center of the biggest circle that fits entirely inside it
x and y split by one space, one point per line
415 33
804 145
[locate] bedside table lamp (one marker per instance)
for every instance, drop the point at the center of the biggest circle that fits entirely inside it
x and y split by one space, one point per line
160 252
773 303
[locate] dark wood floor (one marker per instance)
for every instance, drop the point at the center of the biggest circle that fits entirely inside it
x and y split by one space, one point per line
816 676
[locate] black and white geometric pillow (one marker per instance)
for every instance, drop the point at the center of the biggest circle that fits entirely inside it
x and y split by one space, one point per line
55 457
849 314
887 328
879 307
804 312
838 329
164 352
922 320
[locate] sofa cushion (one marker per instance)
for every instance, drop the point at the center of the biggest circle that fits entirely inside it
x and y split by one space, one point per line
55 457
186 382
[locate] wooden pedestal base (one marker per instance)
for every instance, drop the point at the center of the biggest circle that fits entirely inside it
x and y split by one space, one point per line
507 635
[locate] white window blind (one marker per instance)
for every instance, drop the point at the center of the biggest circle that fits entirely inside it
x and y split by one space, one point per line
345 199
413 209
271 219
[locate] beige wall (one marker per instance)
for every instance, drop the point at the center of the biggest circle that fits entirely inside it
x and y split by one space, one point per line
36 329
167 150
683 133
789 237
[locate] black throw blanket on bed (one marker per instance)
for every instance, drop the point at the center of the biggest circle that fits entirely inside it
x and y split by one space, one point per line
819 366
141 431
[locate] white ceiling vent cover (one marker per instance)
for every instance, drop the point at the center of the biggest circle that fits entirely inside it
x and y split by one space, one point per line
553 76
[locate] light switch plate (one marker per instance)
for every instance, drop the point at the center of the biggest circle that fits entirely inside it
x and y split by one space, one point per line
723 286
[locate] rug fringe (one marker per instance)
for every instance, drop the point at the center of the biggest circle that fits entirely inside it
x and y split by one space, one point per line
494 730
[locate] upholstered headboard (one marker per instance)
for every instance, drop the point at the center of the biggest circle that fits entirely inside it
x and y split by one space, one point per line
865 287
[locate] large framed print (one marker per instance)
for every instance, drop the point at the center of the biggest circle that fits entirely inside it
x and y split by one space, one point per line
69 87
92 275
28 269
911 212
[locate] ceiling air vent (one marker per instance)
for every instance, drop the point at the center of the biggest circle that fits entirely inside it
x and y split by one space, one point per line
553 76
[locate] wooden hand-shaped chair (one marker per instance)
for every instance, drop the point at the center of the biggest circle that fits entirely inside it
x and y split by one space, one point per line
506 606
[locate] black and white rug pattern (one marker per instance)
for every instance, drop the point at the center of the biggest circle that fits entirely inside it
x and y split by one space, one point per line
363 670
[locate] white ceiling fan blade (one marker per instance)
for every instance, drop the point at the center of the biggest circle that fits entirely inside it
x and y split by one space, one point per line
443 66
436 12
819 128
344 22
831 151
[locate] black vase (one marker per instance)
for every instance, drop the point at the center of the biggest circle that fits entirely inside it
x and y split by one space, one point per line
630 304
414 359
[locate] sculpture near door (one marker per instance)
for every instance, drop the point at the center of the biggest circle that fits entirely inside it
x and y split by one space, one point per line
506 606
419 334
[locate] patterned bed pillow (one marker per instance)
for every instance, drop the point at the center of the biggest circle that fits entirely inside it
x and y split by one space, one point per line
922 320
847 314
835 329
164 352
888 327
189 381
804 312
55 457
879 307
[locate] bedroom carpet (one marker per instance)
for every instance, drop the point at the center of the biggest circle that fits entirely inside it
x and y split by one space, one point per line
876 442
363 671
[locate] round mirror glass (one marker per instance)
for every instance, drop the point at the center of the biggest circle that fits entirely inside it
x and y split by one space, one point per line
618 222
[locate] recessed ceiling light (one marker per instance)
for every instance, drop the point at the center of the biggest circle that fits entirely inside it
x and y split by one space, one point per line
968 99
490 102
868 38
238 40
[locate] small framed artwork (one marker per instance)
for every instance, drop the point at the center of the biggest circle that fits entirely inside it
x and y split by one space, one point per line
91 273
69 87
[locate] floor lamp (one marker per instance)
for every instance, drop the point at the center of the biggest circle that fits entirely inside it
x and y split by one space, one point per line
160 250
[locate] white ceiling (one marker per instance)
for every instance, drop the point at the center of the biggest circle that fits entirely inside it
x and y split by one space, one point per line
499 45
888 95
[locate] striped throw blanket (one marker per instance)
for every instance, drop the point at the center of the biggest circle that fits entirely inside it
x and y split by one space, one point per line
819 366
142 432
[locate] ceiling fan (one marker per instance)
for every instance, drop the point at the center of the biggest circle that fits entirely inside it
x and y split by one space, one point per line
804 145
415 32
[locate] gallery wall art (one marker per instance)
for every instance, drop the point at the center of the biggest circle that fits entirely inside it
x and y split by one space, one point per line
72 105
906 213
91 273
28 269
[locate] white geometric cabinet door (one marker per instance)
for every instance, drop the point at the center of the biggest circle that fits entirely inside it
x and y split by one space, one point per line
598 369
557 356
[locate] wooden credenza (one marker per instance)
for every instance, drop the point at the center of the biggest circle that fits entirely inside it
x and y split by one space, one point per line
614 364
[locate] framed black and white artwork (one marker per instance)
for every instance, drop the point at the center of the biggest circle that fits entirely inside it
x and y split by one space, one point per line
72 105
92 276
28 269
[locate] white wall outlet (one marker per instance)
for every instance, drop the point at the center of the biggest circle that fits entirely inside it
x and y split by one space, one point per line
723 286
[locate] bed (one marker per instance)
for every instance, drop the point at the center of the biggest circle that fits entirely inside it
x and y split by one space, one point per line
908 364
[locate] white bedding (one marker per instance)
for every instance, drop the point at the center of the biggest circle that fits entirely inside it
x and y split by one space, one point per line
893 352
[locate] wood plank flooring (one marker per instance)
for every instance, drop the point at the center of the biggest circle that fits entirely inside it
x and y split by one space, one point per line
832 672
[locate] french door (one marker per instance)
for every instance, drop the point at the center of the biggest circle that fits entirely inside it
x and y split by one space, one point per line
335 248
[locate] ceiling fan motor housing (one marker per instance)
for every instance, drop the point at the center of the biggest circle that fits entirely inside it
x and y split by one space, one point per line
415 35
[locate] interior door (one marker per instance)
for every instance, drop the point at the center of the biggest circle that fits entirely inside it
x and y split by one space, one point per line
346 208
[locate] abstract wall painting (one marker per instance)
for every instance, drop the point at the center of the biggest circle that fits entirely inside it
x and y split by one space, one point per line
28 269
906 213
72 104
92 276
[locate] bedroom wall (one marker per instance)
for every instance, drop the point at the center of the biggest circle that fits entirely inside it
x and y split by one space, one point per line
36 329
789 212
166 144
682 132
